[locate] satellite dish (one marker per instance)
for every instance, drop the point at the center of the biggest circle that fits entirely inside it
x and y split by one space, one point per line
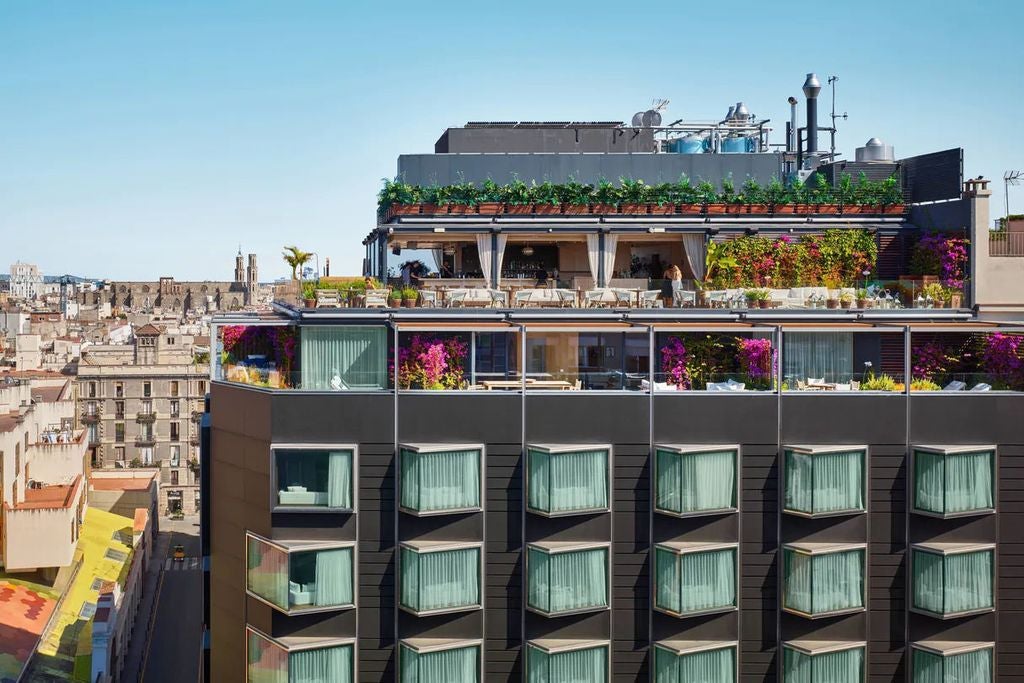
638 119
651 118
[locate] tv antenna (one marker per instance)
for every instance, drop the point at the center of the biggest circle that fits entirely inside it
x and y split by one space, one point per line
1010 178
832 84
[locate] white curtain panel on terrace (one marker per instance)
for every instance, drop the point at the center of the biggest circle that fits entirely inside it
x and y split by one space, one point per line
710 666
826 482
953 583
969 667
343 356
440 580
458 665
564 482
438 255
566 581
589 665
483 250
267 662
339 479
446 480
594 255
323 665
611 242
268 572
696 482
818 354
844 666
502 241
694 248
334 578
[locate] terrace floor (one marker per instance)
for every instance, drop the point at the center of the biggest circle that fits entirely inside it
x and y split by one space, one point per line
25 607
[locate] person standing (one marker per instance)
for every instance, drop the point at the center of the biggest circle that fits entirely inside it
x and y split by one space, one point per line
675 276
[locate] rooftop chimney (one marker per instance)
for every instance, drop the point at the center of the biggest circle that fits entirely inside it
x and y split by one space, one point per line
812 86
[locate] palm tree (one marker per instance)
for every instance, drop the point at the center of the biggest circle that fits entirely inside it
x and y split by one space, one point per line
296 258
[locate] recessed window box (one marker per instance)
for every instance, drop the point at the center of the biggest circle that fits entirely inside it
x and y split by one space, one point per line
301 576
278 660
954 481
952 579
567 661
823 579
308 478
823 661
680 661
691 480
439 576
693 578
565 577
437 479
935 660
568 479
823 481
447 660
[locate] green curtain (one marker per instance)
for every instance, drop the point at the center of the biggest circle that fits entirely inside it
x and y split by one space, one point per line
821 355
825 482
267 572
928 580
323 665
339 479
666 592
818 584
567 482
268 663
969 667
695 482
437 481
349 356
950 584
709 666
844 666
560 582
457 665
796 667
334 577
707 580
969 482
589 665
444 579
929 482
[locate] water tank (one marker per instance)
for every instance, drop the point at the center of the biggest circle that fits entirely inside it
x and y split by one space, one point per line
691 144
875 150
738 145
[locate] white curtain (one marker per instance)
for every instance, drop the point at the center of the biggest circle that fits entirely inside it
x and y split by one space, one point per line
438 256
693 245
502 241
610 243
334 577
821 355
483 248
594 254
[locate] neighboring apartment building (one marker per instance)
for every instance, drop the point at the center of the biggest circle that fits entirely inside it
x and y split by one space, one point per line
539 490
26 281
42 474
140 404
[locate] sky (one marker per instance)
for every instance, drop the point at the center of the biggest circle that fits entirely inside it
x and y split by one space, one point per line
140 139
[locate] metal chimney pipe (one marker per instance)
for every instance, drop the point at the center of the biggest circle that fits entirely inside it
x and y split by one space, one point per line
791 134
812 86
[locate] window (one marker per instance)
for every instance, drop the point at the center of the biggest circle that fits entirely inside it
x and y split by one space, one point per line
559 661
146 407
174 387
566 480
119 410
118 389
695 578
175 455
175 408
826 356
822 662
119 453
423 660
954 481
684 662
822 579
90 408
146 455
175 432
952 579
439 478
315 478
269 662
92 390
174 477
202 388
292 576
692 480
824 480
950 661
119 432
437 576
344 357
94 434
147 389
565 577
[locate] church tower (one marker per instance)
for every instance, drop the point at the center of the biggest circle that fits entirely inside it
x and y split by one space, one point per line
252 279
239 269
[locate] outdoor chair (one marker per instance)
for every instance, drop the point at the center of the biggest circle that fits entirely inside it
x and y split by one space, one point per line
981 386
683 297
328 298
566 298
955 385
428 298
651 299
456 299
593 298
499 299
623 297
377 298
521 298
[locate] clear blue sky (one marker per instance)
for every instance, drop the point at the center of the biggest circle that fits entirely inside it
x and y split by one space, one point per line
147 138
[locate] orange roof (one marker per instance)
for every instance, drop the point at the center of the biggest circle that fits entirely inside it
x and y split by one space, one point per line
141 519
9 421
121 483
50 394
147 330
50 497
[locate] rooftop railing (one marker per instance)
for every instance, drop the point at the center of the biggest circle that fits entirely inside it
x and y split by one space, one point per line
1003 243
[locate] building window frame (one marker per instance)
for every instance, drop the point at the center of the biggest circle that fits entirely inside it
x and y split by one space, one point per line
682 648
352 448
813 549
683 450
944 550
681 548
811 452
556 646
946 649
429 645
283 645
813 648
948 451
290 548
426 449
562 547
427 547
555 450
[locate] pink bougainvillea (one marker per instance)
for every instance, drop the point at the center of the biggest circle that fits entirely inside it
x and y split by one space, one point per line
432 363
1002 357
757 360
673 361
942 255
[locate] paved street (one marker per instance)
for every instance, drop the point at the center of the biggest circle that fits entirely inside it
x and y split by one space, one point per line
166 649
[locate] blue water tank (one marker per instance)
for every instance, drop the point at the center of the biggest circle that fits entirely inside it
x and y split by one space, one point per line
737 145
691 144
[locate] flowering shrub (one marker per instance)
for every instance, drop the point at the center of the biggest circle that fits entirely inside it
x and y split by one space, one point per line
692 361
673 362
943 255
432 363
1002 356
928 360
757 360
277 343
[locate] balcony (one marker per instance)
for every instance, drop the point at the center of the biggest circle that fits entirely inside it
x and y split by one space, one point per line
194 440
197 415
91 418
144 440
146 418
1003 243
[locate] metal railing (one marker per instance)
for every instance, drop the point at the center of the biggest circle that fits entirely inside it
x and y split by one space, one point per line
1006 244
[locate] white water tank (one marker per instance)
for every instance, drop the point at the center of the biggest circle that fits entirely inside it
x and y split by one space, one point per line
875 150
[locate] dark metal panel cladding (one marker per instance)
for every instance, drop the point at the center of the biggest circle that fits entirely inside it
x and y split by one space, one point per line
934 176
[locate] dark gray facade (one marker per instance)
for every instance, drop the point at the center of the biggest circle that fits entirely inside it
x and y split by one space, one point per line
544 138
246 421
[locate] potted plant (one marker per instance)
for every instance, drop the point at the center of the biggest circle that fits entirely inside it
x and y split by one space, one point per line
661 201
754 197
890 195
575 197
635 195
435 200
309 294
463 199
862 298
395 298
606 198
845 195
545 198
398 198
798 197
822 195
732 201
710 198
686 197
489 199
846 300
758 298
409 297
516 196
777 197
922 384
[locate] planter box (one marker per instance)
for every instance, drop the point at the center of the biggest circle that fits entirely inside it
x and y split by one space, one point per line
461 209
519 209
547 209
757 208
575 209
489 208
829 209
633 209
787 209
603 209
894 209
405 209
661 209
435 210
689 209
851 209
717 208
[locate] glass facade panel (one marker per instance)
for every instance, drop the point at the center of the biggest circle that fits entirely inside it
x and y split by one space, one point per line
824 583
440 481
954 583
440 580
968 667
314 478
344 357
567 482
270 663
954 483
842 666
695 482
824 483
708 666
567 581
695 582
301 580
455 665
588 665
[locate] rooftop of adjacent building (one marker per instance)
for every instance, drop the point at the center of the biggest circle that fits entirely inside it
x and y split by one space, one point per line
50 497
121 483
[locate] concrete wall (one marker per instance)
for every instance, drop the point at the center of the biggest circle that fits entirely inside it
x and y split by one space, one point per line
55 463
41 538
999 280
549 140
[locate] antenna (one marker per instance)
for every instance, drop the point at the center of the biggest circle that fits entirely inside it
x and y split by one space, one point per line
1010 178
832 83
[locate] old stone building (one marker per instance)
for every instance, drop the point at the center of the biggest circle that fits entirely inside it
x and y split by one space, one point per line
141 403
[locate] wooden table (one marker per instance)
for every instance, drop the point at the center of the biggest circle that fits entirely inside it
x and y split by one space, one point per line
491 384
555 384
